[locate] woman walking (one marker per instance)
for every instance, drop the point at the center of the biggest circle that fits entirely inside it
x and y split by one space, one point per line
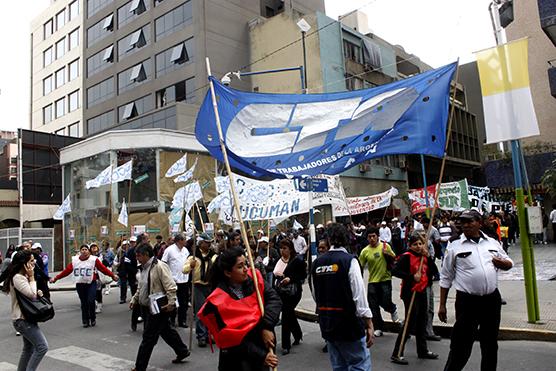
233 317
21 278
289 271
84 267
416 270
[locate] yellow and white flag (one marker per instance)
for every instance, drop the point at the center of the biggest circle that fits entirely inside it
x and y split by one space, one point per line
507 101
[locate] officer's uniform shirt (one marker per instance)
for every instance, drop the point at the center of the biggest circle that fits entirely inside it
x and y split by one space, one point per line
468 265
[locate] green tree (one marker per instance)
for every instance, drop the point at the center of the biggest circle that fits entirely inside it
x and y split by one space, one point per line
548 180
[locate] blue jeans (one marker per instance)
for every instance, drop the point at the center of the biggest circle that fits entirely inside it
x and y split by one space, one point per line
34 345
200 292
349 355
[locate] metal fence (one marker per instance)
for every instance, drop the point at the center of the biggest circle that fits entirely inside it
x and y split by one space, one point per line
45 236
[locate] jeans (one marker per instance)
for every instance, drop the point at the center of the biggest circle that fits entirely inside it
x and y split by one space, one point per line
200 294
379 294
34 345
87 293
349 355
430 311
157 325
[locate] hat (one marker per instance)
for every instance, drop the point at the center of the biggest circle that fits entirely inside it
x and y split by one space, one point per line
320 226
470 214
383 223
93 244
260 231
263 239
125 242
394 219
36 245
133 239
204 237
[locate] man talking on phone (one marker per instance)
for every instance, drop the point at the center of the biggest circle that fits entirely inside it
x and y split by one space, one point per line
471 265
156 278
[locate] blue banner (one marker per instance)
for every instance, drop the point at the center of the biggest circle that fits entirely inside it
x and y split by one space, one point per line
279 135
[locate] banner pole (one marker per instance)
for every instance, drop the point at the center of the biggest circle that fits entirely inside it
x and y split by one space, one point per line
235 196
233 190
191 325
427 211
129 207
436 194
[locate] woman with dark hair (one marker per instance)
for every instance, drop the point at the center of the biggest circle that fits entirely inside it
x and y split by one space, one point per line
233 317
83 267
290 272
21 277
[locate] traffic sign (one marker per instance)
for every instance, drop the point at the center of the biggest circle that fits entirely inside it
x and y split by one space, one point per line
317 185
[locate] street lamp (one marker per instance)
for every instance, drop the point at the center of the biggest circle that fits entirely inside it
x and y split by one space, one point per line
304 27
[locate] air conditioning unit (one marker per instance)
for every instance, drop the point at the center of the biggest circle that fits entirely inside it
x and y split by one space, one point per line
387 171
403 164
363 168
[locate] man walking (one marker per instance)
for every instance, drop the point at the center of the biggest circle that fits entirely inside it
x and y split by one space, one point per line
175 256
376 256
156 278
471 265
344 314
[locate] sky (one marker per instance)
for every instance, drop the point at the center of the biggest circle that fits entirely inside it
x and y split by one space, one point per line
437 31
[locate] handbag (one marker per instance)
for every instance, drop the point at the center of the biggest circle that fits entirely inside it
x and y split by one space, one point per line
288 290
35 310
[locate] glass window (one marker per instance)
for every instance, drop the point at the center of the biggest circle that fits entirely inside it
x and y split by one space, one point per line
134 41
131 11
60 131
73 130
48 28
99 31
60 48
93 6
73 69
73 101
134 76
100 61
164 63
60 19
74 39
100 92
73 10
60 107
100 123
60 77
47 57
181 91
47 114
173 20
47 85
135 108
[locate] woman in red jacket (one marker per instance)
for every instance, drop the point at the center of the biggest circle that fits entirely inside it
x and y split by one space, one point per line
416 270
84 268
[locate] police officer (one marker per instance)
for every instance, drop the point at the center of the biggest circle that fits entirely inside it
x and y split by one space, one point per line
471 265
344 314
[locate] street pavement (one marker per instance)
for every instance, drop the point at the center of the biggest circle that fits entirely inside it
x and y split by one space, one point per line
111 345
511 285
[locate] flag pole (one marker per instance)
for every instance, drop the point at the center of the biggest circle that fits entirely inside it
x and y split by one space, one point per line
531 294
233 189
192 299
234 194
435 205
427 211
129 206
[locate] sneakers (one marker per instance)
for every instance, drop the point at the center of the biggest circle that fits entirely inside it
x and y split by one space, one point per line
180 358
17 333
378 333
428 355
202 343
399 360
98 308
395 317
139 319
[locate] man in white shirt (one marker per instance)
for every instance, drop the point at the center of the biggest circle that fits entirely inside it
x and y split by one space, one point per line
175 256
552 218
385 233
299 243
471 265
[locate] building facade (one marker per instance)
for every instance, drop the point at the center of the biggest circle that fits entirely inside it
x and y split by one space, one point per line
137 58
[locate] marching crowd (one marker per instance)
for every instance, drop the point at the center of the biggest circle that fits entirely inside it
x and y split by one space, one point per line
463 251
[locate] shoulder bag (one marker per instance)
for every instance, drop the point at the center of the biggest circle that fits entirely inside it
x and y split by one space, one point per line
35 310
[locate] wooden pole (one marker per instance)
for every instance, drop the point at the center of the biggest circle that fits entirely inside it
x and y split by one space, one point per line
191 325
436 194
234 194
129 207
268 235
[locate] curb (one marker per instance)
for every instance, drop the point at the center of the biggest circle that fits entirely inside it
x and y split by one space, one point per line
505 333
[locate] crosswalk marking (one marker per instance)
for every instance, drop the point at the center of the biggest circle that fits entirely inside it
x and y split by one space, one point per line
5 366
90 359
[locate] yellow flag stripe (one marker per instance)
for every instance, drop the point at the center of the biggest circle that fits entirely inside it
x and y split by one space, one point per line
503 68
